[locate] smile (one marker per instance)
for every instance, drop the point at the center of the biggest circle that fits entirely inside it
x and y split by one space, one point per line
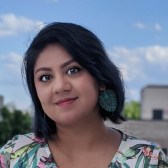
66 101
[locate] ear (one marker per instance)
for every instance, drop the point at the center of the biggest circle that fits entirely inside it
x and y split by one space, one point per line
102 87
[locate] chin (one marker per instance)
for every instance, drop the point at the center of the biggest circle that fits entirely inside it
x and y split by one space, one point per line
69 120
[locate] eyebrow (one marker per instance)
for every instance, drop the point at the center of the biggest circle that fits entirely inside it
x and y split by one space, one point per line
49 69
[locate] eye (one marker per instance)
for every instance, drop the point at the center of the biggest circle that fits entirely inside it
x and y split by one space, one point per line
45 78
73 70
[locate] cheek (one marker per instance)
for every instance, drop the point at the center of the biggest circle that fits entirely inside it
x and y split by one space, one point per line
91 90
42 98
42 95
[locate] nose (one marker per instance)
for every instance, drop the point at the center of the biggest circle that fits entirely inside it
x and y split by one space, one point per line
60 84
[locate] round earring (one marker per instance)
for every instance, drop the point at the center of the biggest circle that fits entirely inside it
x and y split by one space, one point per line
108 100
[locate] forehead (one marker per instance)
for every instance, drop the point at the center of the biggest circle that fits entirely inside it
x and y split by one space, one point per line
53 54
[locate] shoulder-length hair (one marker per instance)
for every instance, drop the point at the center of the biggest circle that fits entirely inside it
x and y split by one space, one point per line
85 47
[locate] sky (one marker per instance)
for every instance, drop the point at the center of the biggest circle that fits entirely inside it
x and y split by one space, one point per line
134 33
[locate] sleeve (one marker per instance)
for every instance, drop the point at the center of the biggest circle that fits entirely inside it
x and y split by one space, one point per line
162 160
5 153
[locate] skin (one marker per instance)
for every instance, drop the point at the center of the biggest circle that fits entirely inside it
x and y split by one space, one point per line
69 96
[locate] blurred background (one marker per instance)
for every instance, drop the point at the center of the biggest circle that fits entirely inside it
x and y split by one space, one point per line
135 35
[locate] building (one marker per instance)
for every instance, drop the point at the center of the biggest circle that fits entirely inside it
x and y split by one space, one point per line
154 102
1 101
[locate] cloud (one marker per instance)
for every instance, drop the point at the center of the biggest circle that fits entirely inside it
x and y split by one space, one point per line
137 63
142 26
157 54
11 24
127 59
140 67
132 93
157 27
10 68
11 84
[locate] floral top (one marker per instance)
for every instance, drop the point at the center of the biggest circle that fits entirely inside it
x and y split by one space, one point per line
27 151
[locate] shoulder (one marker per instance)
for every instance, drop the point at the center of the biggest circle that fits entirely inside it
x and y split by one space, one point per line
20 141
135 151
19 147
132 140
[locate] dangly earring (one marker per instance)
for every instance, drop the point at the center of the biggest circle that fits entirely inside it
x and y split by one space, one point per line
108 100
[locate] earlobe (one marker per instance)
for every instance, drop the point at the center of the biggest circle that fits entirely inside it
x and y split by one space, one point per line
102 88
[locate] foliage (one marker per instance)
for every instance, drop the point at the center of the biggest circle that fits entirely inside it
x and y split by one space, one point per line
132 110
13 123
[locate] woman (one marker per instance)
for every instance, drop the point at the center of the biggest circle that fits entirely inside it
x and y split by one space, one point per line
75 87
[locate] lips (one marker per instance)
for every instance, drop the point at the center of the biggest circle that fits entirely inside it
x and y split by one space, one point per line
66 101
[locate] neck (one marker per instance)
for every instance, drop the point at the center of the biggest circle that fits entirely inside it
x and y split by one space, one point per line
78 144
82 136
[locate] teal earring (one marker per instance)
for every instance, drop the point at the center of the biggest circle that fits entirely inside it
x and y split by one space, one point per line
108 100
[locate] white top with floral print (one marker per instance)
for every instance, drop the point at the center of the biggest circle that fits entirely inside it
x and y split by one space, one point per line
27 151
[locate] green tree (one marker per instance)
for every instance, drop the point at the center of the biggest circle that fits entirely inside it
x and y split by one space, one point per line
13 123
5 126
132 110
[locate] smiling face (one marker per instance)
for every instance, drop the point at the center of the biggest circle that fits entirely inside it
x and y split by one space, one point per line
67 91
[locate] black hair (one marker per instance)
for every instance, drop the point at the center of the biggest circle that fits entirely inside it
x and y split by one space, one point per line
85 47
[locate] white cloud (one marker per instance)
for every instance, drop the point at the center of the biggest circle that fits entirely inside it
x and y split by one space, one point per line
155 26
11 24
157 54
129 62
10 66
11 85
134 63
140 25
132 93
140 67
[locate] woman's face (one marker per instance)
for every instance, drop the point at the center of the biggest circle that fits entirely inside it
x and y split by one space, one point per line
67 92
